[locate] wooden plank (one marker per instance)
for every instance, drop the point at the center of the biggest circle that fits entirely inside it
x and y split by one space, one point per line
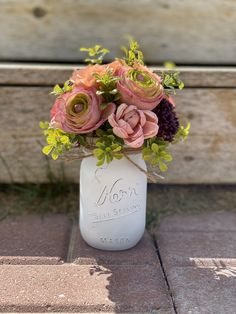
207 157
48 75
186 32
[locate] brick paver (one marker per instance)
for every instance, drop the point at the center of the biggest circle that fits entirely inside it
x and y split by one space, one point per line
198 253
34 240
82 288
93 281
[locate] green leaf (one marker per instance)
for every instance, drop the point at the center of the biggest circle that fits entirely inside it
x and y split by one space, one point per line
132 54
64 139
155 148
54 155
147 157
166 156
98 52
109 158
100 132
47 149
181 85
57 90
68 86
51 139
98 152
100 162
117 149
146 151
169 65
44 125
171 80
163 167
118 156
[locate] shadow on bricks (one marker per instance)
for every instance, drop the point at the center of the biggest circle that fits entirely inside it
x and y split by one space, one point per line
46 266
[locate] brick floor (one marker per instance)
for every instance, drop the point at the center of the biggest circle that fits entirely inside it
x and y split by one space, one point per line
198 253
40 278
47 267
34 239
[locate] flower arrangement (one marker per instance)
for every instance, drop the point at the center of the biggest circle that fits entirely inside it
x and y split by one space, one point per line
112 110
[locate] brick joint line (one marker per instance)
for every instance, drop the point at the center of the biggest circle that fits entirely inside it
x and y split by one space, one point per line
72 241
164 274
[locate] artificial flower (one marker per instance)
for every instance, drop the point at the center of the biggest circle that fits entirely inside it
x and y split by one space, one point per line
79 111
140 87
133 125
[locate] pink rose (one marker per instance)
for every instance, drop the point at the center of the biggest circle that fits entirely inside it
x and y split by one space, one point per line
79 111
140 87
133 125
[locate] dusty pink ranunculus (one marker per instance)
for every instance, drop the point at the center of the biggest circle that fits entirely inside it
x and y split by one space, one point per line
79 111
140 87
133 125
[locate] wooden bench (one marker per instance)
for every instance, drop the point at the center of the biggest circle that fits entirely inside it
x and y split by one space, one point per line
185 32
208 101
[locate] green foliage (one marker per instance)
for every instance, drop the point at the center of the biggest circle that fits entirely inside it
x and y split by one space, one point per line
132 54
107 87
108 147
97 52
171 81
155 152
182 133
169 65
58 90
58 141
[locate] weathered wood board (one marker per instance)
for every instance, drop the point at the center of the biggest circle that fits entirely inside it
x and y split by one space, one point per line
209 156
185 31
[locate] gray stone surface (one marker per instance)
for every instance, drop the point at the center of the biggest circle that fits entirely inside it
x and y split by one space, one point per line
203 290
34 240
83 288
197 248
206 222
198 253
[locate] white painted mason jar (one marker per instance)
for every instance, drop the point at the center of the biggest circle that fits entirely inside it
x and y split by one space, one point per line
113 203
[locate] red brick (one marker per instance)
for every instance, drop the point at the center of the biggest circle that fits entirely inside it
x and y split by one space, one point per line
83 288
34 240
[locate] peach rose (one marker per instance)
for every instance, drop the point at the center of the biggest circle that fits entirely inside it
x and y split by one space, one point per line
85 76
140 87
79 111
133 125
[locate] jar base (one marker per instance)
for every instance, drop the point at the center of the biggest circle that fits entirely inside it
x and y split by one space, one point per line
107 246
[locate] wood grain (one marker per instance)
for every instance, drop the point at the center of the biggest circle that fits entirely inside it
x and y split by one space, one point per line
45 74
185 32
207 157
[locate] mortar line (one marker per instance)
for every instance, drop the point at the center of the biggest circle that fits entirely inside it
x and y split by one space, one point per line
165 276
72 241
